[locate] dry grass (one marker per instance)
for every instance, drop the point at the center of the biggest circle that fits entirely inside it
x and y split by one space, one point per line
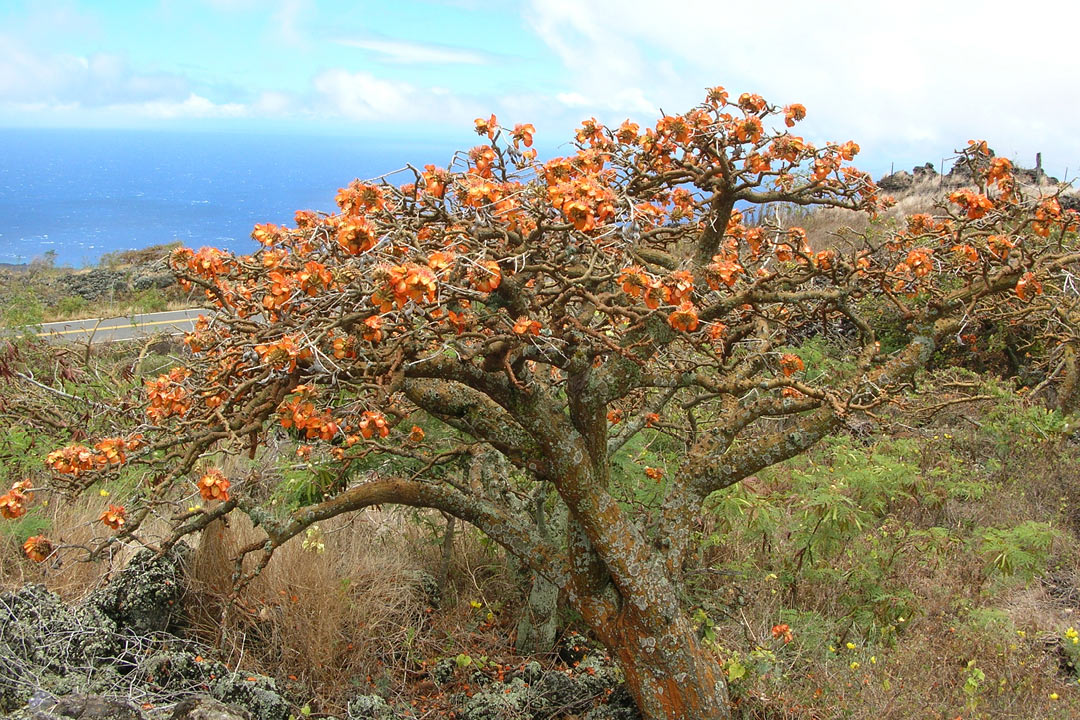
350 611
72 523
318 618
107 309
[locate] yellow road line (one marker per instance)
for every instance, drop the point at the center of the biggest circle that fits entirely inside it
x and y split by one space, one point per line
129 326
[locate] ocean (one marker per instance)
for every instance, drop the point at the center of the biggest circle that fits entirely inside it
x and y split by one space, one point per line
84 193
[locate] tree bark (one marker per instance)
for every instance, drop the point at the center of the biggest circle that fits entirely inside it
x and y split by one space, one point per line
670 675
538 623
537 626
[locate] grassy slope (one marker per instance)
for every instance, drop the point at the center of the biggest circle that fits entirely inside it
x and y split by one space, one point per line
39 292
925 563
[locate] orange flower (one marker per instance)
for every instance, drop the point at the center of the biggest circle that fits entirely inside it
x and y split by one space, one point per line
486 127
614 416
373 329
794 113
75 460
824 259
114 517
355 234
214 485
748 129
651 419
634 281
435 180
440 260
12 505
684 319
483 158
849 150
38 548
751 102
1000 246
373 423
1000 168
525 326
488 277
591 132
343 348
782 631
282 353
654 473
267 234
524 133
721 270
627 133
112 450
680 285
716 96
23 488
416 434
968 252
974 204
919 261
1028 287
791 364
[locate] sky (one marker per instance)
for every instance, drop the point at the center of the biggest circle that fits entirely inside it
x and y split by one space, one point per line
909 81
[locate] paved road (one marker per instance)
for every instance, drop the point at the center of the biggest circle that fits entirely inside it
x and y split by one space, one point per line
123 328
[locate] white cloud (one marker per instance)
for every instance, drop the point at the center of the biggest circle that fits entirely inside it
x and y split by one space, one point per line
918 76
273 104
193 106
94 80
362 96
289 17
95 88
408 53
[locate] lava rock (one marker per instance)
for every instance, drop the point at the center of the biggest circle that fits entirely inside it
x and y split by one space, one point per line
152 280
145 596
83 707
369 707
204 707
96 284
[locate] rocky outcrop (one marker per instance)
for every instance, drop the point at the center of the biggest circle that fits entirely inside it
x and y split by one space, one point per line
120 654
959 175
115 652
96 284
145 597
592 690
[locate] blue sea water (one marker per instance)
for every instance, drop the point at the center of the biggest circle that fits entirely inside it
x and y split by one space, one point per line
83 193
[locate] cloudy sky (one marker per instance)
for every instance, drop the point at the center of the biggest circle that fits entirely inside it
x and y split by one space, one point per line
909 81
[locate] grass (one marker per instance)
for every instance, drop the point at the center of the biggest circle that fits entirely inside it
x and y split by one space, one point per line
928 569
40 292
926 563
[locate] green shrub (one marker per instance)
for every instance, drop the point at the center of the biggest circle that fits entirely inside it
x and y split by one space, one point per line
1022 550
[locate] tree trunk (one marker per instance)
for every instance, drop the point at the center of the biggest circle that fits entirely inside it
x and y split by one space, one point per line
671 677
539 621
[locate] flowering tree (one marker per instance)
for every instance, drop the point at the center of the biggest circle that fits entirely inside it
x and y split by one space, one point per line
551 313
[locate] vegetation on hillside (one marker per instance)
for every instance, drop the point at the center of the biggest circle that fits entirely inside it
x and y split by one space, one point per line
123 283
752 467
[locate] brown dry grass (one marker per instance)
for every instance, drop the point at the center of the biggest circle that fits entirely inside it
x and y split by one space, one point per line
73 523
353 615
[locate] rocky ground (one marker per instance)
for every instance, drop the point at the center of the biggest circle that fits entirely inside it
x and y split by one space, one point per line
121 654
902 182
139 281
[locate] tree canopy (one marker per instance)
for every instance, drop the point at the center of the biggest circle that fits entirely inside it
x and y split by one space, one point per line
554 311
